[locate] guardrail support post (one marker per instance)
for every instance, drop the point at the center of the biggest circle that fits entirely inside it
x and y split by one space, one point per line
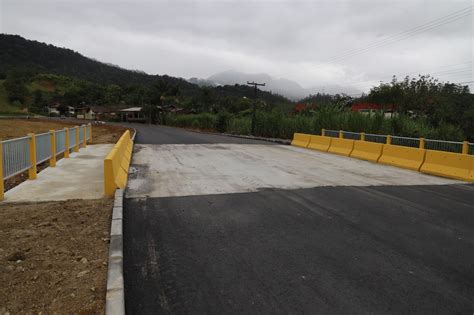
1 172
341 134
84 128
32 170
66 152
52 160
422 143
323 132
465 147
76 147
362 136
389 139
90 133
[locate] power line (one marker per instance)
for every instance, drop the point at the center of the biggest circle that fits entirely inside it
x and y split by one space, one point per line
406 34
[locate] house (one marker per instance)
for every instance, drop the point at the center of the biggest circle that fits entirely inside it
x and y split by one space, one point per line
53 109
132 114
85 113
369 108
106 113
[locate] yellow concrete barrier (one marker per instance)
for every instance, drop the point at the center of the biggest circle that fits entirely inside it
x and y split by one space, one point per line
448 164
116 164
341 146
369 151
300 140
404 157
319 143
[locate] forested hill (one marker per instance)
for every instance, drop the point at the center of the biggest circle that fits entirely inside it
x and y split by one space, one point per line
18 53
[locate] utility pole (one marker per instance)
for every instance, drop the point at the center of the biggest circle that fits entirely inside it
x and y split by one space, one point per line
254 103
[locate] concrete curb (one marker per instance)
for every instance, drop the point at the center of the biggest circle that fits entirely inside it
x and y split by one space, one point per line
115 297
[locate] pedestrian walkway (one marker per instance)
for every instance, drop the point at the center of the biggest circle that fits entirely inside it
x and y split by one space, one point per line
79 177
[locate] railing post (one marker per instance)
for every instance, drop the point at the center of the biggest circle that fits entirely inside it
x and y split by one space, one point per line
90 133
422 143
84 128
66 152
52 160
341 134
389 139
32 170
465 147
2 187
76 147
323 132
362 136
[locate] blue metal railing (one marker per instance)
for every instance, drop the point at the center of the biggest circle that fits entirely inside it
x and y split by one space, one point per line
16 156
72 137
43 147
81 134
60 141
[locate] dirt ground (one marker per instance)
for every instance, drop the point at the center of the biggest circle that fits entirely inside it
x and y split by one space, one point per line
12 128
53 256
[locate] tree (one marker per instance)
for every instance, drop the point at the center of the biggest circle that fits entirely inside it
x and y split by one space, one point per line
15 87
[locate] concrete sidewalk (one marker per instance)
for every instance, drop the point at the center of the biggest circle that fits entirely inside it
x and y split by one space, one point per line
79 177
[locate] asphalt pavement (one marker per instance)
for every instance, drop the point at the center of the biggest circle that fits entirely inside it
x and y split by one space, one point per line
340 249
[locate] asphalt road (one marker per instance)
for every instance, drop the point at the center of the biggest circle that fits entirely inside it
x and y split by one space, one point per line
152 134
352 249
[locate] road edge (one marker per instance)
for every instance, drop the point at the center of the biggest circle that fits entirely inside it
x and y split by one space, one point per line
115 296
274 140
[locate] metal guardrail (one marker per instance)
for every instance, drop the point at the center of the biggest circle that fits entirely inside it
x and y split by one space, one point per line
351 135
375 138
60 141
332 133
72 137
43 147
16 156
23 154
405 141
430 144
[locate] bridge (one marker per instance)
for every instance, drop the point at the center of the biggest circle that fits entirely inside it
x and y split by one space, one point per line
215 224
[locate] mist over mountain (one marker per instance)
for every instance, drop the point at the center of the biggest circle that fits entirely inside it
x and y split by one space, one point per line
282 86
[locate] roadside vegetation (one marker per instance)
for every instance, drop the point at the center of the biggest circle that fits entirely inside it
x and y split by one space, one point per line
424 108
30 82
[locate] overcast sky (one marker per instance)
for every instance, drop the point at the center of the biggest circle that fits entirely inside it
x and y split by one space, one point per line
312 42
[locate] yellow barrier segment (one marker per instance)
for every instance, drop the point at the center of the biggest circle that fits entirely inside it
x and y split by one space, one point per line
448 164
300 140
319 143
52 160
323 132
404 157
341 146
66 152
76 147
369 151
32 170
2 187
116 164
341 134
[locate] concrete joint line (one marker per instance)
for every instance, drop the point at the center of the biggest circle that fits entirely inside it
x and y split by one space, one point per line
115 297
